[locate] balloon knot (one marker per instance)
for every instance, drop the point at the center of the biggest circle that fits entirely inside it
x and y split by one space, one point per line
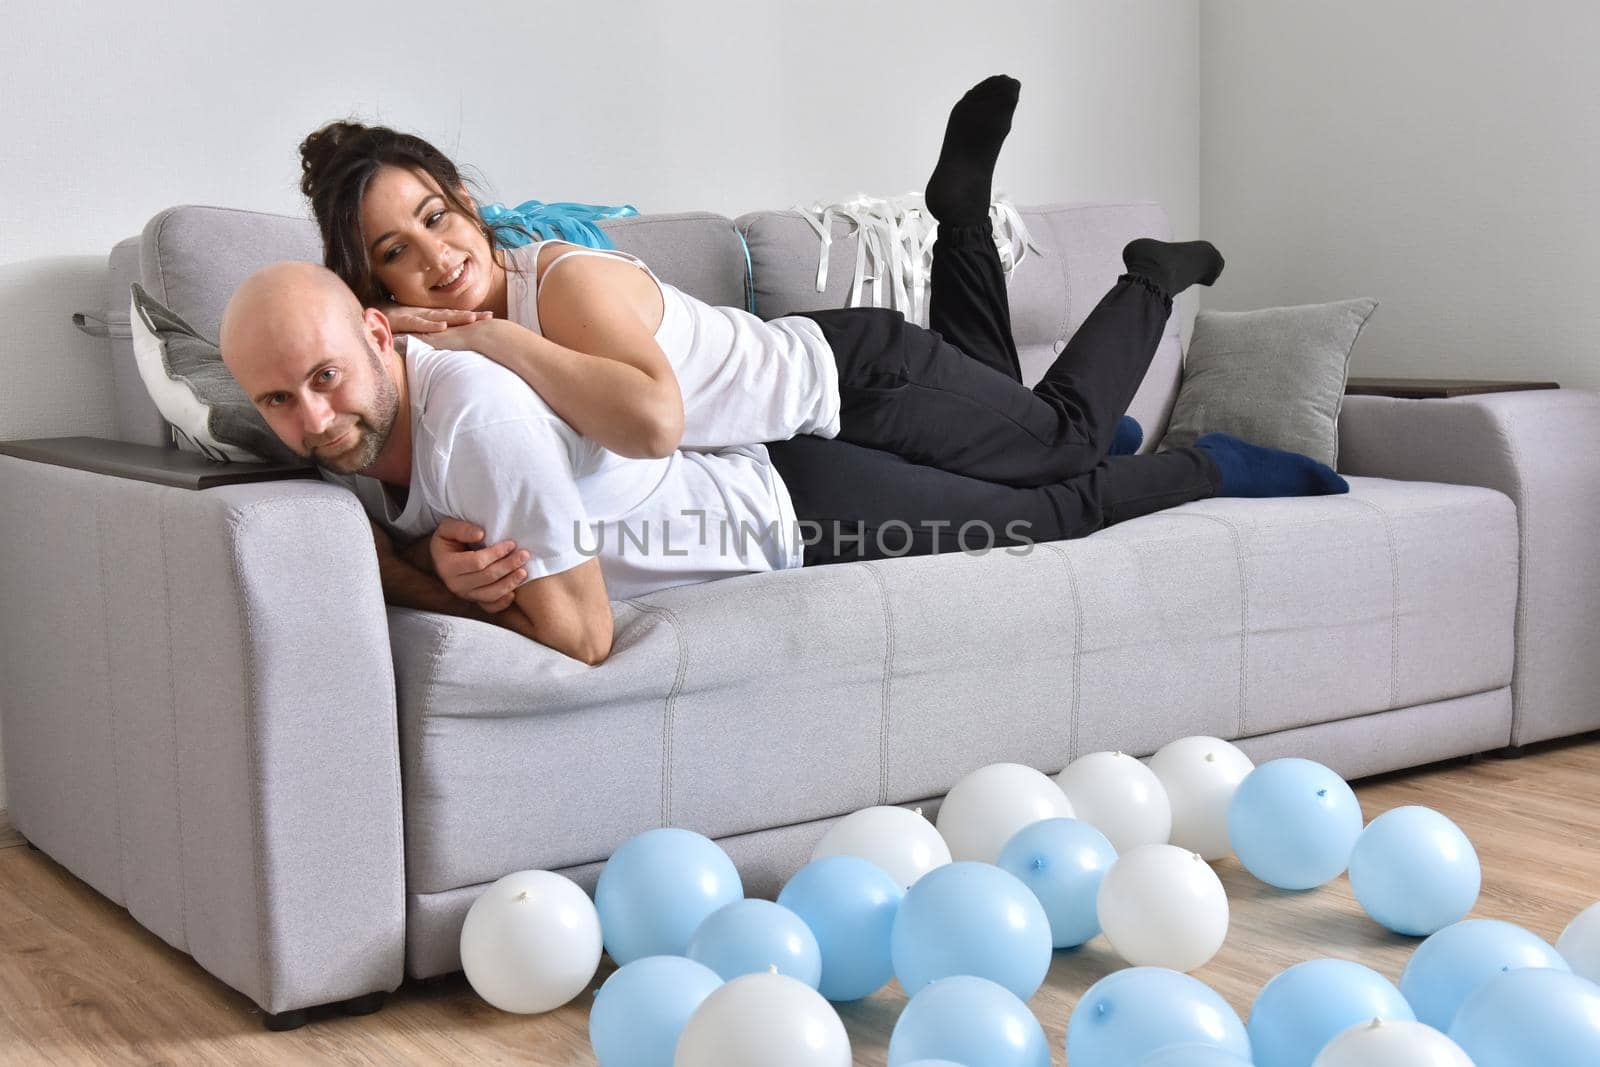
1322 792
521 896
1211 757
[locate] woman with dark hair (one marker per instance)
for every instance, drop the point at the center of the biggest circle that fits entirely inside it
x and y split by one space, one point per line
644 368
401 229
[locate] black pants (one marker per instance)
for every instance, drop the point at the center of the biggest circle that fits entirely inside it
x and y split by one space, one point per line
952 397
940 415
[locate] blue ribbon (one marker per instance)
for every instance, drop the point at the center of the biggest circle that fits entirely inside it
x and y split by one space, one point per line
563 221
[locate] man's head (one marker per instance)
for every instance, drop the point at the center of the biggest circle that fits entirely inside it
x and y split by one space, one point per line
319 368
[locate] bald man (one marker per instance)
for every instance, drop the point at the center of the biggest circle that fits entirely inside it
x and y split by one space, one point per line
423 435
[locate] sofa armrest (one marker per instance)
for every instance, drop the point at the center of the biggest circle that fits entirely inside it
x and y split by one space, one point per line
198 713
1542 449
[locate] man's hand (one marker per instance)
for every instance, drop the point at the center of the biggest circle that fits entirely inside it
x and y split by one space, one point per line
403 319
487 577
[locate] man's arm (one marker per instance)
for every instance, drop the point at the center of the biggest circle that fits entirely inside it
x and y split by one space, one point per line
408 585
570 612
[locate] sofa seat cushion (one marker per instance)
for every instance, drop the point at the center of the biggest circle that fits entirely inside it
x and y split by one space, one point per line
775 699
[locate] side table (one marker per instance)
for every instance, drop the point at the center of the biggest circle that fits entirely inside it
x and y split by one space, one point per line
1435 388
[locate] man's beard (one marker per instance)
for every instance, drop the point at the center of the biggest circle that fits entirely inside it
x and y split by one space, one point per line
373 426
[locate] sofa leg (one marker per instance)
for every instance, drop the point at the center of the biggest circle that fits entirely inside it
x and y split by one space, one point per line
364 1005
286 1020
1509 752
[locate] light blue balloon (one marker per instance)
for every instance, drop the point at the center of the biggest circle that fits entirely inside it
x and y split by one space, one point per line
1063 862
657 888
1293 823
1131 1013
1449 966
1531 1016
970 918
641 1010
749 936
1311 1003
1414 871
850 905
971 1021
1193 1056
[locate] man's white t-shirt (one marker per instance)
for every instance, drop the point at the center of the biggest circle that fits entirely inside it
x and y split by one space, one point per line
487 449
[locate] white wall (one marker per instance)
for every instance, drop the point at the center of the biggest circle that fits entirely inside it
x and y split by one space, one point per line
113 111
1441 157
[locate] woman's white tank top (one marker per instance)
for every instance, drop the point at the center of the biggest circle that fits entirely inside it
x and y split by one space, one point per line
744 380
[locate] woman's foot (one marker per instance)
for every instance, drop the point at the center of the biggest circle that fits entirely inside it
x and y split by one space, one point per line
958 193
1128 437
1173 267
1253 470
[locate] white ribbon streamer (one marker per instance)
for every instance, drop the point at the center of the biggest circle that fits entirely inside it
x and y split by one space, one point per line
894 246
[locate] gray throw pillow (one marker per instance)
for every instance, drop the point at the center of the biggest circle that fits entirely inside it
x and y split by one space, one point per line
185 376
1273 377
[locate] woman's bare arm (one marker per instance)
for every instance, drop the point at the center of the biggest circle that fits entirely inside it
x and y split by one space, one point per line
597 366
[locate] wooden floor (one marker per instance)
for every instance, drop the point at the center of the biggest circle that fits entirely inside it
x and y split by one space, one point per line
81 982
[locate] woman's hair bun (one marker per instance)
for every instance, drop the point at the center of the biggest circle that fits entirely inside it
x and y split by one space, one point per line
322 147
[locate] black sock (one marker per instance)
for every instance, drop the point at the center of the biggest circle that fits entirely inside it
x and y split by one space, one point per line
1173 267
959 191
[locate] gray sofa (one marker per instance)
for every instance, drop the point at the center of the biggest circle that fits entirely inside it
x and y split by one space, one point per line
210 716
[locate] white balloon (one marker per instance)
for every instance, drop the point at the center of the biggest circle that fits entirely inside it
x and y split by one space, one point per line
768 1019
1161 906
531 942
983 810
1200 775
1120 797
901 842
1391 1043
1579 943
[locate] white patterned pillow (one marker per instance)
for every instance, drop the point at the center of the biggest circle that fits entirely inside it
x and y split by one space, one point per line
183 371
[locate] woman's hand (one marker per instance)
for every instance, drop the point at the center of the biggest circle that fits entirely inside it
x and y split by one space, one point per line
483 336
487 577
404 319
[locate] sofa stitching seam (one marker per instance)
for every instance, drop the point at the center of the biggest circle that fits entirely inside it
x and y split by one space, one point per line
111 717
886 687
1244 617
1394 601
236 523
172 719
669 712
1519 636
1063 331
1077 650
442 636
161 263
